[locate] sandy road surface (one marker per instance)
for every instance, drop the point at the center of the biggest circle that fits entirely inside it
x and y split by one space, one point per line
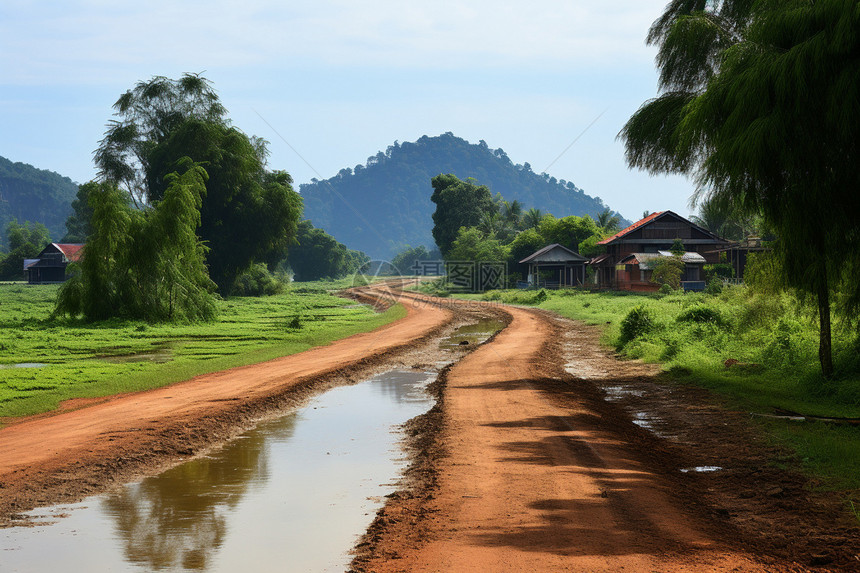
530 482
75 453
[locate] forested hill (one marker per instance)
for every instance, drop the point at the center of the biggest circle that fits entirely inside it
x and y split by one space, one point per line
385 204
36 195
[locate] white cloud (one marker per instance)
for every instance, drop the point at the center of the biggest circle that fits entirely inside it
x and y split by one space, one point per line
85 40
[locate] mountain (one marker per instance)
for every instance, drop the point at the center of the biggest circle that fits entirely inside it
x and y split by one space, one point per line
384 205
37 195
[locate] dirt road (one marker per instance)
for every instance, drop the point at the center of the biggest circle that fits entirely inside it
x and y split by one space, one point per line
530 477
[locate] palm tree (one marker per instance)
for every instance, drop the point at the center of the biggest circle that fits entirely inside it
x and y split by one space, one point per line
512 213
607 221
532 218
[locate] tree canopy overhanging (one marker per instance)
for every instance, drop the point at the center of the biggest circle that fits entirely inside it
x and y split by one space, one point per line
760 104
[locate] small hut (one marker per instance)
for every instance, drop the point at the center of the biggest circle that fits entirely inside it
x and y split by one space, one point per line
50 265
565 268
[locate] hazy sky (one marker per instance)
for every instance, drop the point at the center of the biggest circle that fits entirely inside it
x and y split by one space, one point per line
341 80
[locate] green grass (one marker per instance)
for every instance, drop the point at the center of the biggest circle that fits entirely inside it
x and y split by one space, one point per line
76 354
775 339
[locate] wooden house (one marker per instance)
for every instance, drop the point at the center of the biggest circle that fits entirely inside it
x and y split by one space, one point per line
565 268
621 267
50 265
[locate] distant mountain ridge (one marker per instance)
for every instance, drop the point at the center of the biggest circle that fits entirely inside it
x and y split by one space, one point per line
38 195
384 205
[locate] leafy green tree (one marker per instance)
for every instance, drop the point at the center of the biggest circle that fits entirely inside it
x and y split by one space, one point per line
524 244
473 245
35 234
78 223
568 231
144 264
248 214
25 242
405 260
458 204
668 271
759 104
318 255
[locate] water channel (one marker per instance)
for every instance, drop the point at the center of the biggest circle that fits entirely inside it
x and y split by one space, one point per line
294 495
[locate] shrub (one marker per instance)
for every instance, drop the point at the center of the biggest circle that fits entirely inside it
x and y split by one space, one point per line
257 281
715 286
638 321
666 289
668 271
701 314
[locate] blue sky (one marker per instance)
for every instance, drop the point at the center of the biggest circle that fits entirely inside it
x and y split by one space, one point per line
339 81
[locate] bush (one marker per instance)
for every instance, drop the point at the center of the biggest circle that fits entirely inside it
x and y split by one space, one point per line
715 286
666 289
638 321
701 314
668 271
257 281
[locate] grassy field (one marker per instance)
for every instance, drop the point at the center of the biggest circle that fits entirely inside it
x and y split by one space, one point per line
775 341
69 359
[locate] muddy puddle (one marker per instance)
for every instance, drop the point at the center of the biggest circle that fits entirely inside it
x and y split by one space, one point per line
294 494
471 334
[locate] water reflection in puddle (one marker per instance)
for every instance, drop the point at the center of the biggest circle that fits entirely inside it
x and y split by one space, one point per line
291 495
24 365
470 334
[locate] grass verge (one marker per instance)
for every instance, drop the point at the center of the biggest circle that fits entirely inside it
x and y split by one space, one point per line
71 359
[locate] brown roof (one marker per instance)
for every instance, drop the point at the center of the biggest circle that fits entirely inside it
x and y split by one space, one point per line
631 228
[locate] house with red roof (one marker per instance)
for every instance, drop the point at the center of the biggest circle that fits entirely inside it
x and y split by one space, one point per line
50 265
631 252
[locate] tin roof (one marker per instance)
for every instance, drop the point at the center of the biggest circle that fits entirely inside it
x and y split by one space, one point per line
646 260
566 255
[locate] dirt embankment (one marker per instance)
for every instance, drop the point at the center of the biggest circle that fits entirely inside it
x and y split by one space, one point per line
524 467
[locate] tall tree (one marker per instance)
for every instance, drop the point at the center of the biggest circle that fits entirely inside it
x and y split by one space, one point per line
78 222
248 213
761 104
458 204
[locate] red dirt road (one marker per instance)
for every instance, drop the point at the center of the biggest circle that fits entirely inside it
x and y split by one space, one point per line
530 483
71 454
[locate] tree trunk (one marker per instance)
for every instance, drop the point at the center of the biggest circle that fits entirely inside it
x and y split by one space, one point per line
825 351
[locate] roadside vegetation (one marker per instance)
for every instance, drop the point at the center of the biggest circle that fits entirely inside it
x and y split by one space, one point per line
93 359
758 350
